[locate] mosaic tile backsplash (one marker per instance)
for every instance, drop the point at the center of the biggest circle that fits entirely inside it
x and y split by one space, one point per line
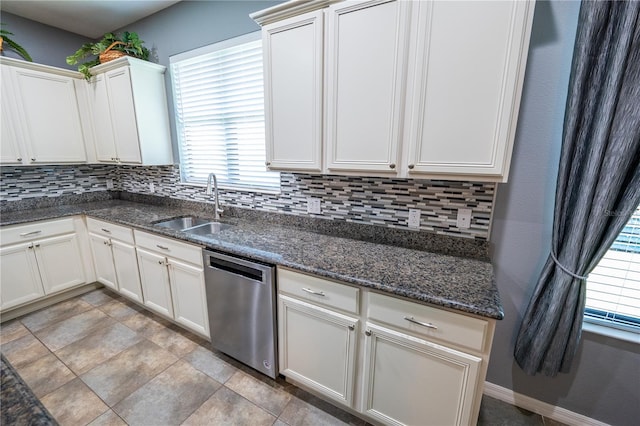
365 200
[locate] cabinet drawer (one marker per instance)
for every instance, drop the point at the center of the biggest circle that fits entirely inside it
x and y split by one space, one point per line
169 247
319 290
36 230
110 230
440 324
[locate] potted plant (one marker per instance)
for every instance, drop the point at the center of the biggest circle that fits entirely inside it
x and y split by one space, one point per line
112 46
4 38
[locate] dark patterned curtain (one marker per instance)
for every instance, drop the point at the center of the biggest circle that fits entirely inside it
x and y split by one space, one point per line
598 185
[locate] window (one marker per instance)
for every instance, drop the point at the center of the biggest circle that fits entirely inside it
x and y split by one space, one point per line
613 287
219 105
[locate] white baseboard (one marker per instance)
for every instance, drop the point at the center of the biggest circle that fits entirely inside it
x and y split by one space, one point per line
547 410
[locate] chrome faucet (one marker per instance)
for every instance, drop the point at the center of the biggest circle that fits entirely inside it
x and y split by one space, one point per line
218 210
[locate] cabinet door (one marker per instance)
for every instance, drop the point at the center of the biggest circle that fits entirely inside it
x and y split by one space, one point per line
293 51
126 268
365 76
154 278
465 90
20 279
105 144
189 297
410 381
10 152
123 115
60 262
317 348
50 120
103 260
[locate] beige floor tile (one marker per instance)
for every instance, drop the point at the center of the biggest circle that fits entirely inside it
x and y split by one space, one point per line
12 330
72 329
119 309
173 341
45 375
74 404
124 373
84 354
205 361
24 350
100 297
55 313
264 396
226 407
300 413
145 324
109 418
169 398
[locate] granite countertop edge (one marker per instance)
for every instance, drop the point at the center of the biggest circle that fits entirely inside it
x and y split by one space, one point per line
104 210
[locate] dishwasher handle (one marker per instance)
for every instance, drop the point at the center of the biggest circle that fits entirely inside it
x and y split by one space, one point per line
236 266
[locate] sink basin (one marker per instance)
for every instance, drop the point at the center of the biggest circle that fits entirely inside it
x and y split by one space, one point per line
182 223
207 228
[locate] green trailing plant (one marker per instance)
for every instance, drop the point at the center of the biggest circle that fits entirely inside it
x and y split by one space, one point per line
130 45
5 39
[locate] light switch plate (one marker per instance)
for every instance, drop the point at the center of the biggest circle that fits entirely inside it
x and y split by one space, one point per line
464 219
313 206
109 183
414 218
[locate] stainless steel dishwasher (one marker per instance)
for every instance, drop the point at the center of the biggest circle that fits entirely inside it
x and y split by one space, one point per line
241 301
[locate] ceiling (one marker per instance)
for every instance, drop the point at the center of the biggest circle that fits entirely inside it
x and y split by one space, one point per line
90 18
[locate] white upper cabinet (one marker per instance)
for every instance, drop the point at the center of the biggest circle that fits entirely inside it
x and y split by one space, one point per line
468 62
293 52
130 122
10 149
366 45
43 111
427 89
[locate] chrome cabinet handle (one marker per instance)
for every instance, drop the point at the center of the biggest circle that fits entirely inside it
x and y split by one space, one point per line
162 247
26 234
317 293
424 324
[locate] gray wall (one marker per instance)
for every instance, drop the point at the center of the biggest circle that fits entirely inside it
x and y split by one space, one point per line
604 381
46 45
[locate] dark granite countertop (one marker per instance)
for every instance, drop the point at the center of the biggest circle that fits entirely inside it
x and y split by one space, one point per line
454 282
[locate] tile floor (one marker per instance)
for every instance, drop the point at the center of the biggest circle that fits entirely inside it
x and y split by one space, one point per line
99 359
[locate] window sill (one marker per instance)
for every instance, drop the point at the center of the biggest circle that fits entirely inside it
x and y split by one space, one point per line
236 188
627 336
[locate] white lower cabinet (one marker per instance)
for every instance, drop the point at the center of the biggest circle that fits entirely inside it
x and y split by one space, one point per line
39 259
409 364
114 258
317 347
410 381
172 276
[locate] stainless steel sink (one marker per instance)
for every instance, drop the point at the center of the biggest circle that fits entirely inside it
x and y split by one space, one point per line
193 225
182 223
207 228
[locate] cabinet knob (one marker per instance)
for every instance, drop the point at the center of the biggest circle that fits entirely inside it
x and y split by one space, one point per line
33 159
368 333
160 262
411 166
392 166
37 245
267 163
352 327
19 159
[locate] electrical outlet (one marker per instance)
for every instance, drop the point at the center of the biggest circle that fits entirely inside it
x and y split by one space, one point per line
313 206
109 183
464 219
414 218
152 187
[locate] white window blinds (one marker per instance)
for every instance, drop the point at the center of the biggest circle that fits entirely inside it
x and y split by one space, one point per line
219 105
613 287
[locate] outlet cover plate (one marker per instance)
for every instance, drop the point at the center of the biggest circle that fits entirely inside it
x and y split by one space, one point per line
109 183
414 218
313 206
152 187
464 219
